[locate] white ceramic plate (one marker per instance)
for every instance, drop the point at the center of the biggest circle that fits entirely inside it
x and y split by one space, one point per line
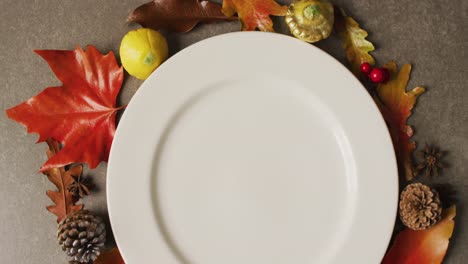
252 148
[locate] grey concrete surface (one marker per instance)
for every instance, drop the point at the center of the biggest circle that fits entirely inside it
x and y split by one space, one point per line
432 35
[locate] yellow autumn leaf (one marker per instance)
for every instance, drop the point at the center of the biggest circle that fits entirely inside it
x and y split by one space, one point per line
396 104
254 13
356 46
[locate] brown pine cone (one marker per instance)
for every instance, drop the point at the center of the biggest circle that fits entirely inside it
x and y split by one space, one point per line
82 236
420 206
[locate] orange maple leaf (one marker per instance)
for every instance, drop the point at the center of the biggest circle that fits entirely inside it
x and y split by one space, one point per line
254 13
424 246
395 104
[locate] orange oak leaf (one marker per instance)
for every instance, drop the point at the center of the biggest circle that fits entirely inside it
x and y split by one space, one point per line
425 246
396 104
254 13
176 15
64 202
356 46
80 113
111 256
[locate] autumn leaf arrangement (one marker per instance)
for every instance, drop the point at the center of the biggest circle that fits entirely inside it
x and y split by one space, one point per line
77 120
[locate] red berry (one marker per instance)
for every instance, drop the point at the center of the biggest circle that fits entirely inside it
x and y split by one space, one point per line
366 68
377 75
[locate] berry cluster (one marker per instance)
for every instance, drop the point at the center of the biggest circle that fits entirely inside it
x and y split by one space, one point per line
376 75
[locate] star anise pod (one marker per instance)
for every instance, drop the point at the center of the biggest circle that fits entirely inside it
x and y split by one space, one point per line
80 186
431 161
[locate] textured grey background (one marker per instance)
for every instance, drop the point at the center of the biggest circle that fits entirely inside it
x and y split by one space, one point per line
430 34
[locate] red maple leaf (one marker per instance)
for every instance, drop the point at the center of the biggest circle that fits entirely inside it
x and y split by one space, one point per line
81 113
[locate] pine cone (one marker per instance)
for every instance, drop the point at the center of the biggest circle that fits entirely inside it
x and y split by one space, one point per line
82 236
420 206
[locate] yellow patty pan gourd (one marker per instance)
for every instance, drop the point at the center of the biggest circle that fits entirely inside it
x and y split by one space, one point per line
310 20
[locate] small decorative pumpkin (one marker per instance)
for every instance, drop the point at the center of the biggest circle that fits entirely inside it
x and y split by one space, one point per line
310 20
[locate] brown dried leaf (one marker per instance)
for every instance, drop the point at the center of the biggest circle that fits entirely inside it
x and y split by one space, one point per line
176 15
64 203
